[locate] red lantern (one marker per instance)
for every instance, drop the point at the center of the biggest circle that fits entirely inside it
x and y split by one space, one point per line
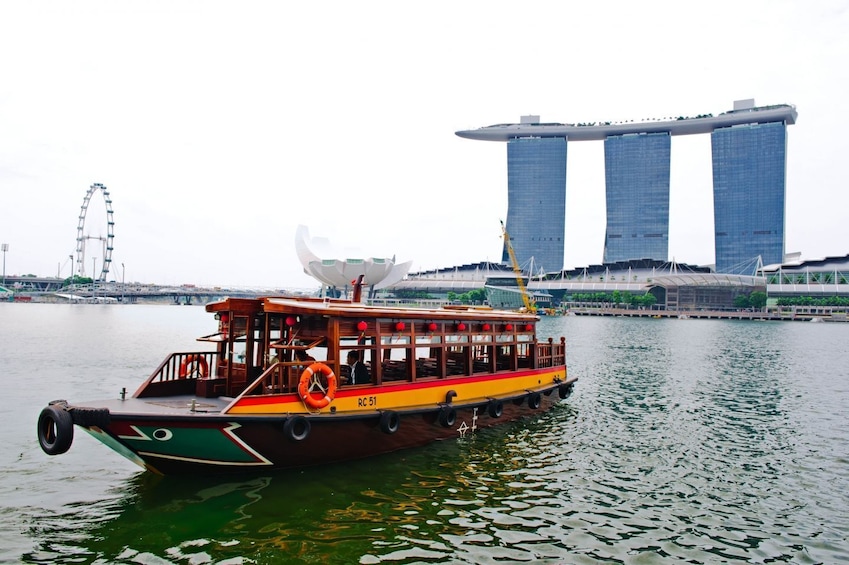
529 327
399 326
290 321
461 327
509 327
431 327
486 327
361 326
224 324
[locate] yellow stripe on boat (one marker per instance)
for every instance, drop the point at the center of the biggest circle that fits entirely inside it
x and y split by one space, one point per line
407 395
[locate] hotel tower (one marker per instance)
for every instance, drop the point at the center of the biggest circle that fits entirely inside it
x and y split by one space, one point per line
749 155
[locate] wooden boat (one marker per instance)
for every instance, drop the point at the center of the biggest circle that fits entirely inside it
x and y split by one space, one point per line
253 401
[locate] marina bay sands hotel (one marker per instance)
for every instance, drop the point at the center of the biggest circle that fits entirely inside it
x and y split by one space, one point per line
749 151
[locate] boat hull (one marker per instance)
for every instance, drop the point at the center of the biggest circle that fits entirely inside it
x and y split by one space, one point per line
233 443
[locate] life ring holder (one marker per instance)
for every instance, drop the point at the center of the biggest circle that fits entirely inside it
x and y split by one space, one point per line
310 381
201 367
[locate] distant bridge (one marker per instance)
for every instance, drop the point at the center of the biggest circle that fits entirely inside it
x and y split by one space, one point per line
133 292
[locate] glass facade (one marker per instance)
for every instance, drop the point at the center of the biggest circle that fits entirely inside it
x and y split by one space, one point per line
749 166
636 169
536 201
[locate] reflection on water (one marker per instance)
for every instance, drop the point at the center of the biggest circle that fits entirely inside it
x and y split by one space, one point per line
685 441
459 500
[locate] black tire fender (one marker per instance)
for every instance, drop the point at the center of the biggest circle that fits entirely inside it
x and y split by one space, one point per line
534 400
55 430
565 391
88 417
495 408
297 428
390 421
447 416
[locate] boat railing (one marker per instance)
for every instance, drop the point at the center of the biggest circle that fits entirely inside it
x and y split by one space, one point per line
179 373
279 377
551 354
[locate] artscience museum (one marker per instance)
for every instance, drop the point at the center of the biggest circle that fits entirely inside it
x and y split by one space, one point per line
322 262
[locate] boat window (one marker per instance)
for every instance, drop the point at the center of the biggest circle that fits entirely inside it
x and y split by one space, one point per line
425 346
274 333
523 354
479 338
429 355
239 326
319 353
239 351
394 341
365 347
457 359
239 330
482 359
395 349
506 358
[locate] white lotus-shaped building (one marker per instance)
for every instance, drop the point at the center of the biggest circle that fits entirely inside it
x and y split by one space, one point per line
314 254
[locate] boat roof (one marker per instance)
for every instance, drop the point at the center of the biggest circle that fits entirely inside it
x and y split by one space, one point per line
347 309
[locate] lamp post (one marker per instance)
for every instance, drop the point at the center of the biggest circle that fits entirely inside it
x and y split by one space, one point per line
5 248
123 283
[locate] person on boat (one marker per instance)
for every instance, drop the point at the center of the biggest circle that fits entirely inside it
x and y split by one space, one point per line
359 372
304 357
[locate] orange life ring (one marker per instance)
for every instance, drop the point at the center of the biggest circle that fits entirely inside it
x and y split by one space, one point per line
194 364
310 382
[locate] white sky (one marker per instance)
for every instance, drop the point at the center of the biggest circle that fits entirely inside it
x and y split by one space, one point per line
218 127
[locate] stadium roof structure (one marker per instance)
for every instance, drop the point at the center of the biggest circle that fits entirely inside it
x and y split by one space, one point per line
830 262
707 280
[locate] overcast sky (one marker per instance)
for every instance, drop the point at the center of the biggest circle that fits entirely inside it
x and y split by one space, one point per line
218 127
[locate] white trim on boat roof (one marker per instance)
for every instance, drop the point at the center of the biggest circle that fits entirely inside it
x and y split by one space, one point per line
344 309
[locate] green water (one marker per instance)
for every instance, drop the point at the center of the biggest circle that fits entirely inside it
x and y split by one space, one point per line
686 441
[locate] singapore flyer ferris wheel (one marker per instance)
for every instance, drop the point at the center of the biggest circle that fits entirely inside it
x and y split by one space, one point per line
102 242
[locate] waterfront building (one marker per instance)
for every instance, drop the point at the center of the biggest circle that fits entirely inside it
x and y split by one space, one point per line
636 172
676 286
828 276
748 195
749 163
536 200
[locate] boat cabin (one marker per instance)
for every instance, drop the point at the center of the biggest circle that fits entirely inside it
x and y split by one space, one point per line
264 345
